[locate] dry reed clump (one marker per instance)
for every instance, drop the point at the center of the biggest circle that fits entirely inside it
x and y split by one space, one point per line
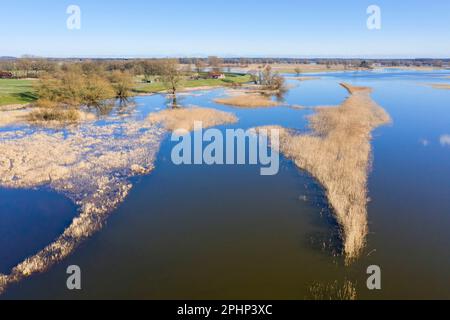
249 100
334 291
338 154
69 115
90 165
12 115
184 118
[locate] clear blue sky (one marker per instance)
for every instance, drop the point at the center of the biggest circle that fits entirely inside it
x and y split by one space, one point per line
137 28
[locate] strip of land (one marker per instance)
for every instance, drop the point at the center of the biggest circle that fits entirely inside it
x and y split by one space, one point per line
177 119
89 164
337 152
249 100
13 91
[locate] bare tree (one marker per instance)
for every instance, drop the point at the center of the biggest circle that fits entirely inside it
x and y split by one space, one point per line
172 78
215 63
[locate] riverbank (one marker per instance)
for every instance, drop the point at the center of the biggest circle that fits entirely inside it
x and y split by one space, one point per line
194 84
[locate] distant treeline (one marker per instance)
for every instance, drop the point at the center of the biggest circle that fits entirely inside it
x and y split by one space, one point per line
33 67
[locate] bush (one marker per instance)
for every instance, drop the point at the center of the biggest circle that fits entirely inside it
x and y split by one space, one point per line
96 91
122 83
68 115
45 104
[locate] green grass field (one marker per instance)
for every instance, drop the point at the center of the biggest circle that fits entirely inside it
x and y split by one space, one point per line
14 91
230 79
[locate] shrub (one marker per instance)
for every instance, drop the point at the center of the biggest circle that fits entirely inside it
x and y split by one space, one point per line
96 91
122 83
63 115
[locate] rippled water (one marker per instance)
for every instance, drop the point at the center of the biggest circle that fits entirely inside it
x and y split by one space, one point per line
226 232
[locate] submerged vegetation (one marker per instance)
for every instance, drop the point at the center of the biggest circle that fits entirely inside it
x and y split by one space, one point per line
97 181
338 153
334 291
74 87
252 100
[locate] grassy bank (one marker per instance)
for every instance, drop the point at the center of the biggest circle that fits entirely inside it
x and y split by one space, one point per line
230 78
14 91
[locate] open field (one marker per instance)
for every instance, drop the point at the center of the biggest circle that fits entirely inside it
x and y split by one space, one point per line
229 80
16 91
248 101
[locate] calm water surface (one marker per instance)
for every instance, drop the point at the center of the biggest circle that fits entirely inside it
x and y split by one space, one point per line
199 232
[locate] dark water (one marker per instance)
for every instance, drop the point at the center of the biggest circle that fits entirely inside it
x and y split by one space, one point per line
199 232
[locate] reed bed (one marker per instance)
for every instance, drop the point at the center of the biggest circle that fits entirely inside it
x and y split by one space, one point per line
184 118
337 152
248 101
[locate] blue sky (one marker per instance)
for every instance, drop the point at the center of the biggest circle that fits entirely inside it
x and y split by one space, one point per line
297 28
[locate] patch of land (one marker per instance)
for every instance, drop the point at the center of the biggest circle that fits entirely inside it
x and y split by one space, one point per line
441 86
248 100
200 84
303 78
337 152
25 114
14 91
184 118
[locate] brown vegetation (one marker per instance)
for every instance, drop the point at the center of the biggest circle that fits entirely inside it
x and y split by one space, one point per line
248 101
86 166
184 118
338 153
69 115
